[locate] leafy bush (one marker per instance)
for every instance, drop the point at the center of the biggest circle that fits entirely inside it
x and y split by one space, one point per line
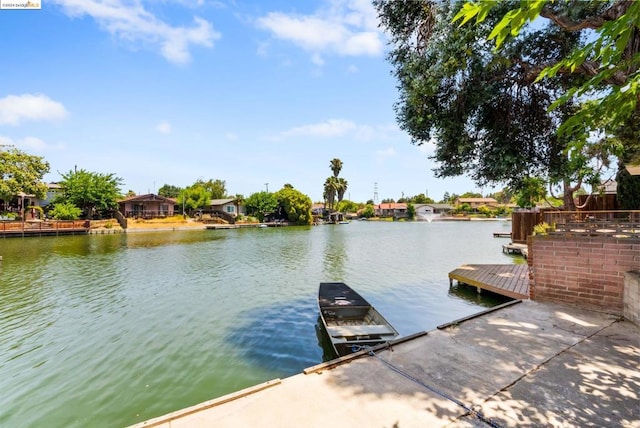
8 215
543 228
65 211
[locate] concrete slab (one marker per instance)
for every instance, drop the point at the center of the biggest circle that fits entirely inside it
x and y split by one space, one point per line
527 364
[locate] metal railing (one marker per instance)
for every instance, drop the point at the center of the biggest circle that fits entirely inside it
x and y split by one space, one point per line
621 224
43 226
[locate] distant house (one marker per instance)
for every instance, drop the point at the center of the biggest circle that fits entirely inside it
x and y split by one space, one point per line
147 206
317 209
477 202
53 190
395 210
424 211
227 206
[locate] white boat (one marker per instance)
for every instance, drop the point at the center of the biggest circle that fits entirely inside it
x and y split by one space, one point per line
351 323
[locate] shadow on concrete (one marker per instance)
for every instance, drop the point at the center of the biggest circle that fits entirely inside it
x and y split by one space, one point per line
518 368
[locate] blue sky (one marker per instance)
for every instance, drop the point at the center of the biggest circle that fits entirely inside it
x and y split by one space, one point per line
172 91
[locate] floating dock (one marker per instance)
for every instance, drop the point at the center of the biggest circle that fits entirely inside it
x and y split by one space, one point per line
512 248
506 280
502 234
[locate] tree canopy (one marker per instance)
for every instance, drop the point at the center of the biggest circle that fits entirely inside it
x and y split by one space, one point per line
296 205
21 172
486 110
609 61
169 191
217 188
260 203
92 192
194 197
334 187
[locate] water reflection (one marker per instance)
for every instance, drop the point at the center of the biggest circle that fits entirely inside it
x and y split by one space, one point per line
335 254
470 294
151 322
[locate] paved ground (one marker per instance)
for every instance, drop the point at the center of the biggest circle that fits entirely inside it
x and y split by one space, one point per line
530 364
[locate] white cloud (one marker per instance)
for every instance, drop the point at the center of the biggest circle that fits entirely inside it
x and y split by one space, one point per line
30 143
17 108
330 128
231 136
164 127
340 128
381 155
346 28
133 23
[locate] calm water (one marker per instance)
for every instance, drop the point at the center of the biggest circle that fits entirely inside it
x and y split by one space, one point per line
110 330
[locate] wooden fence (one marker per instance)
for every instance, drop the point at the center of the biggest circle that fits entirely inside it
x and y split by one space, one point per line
47 227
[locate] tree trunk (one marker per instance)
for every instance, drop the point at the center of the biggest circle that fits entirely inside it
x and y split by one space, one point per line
569 203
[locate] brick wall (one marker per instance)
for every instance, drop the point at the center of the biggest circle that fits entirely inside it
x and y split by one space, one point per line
582 270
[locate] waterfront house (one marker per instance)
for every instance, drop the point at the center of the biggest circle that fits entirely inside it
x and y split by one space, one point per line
424 211
394 210
226 207
317 210
476 203
147 206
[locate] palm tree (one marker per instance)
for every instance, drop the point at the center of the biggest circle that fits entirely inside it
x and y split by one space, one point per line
336 166
341 188
330 190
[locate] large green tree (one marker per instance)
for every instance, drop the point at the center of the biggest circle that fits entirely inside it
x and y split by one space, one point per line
609 62
21 173
484 109
296 205
216 188
169 191
334 187
93 192
260 203
194 197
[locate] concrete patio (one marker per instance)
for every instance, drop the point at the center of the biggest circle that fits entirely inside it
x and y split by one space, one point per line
527 364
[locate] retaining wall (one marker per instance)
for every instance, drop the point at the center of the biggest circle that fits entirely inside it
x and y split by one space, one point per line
585 271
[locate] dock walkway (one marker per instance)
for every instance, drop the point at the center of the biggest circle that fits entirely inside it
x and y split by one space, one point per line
527 364
507 280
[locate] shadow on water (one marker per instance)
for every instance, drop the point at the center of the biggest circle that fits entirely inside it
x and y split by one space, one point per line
470 294
281 338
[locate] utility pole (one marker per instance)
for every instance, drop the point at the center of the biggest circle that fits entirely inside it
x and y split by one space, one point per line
267 185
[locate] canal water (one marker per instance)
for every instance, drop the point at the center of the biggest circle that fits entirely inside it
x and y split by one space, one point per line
110 330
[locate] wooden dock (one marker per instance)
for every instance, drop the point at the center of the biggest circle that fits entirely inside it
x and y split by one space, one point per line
502 234
512 248
43 228
507 280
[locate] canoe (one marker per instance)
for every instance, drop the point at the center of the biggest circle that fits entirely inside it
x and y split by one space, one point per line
350 321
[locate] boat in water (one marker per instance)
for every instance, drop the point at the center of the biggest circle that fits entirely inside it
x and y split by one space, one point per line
350 321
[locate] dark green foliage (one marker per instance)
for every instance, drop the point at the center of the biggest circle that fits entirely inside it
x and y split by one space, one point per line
411 211
368 211
65 211
217 188
482 109
485 109
96 194
21 172
169 191
628 190
296 205
194 197
260 203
